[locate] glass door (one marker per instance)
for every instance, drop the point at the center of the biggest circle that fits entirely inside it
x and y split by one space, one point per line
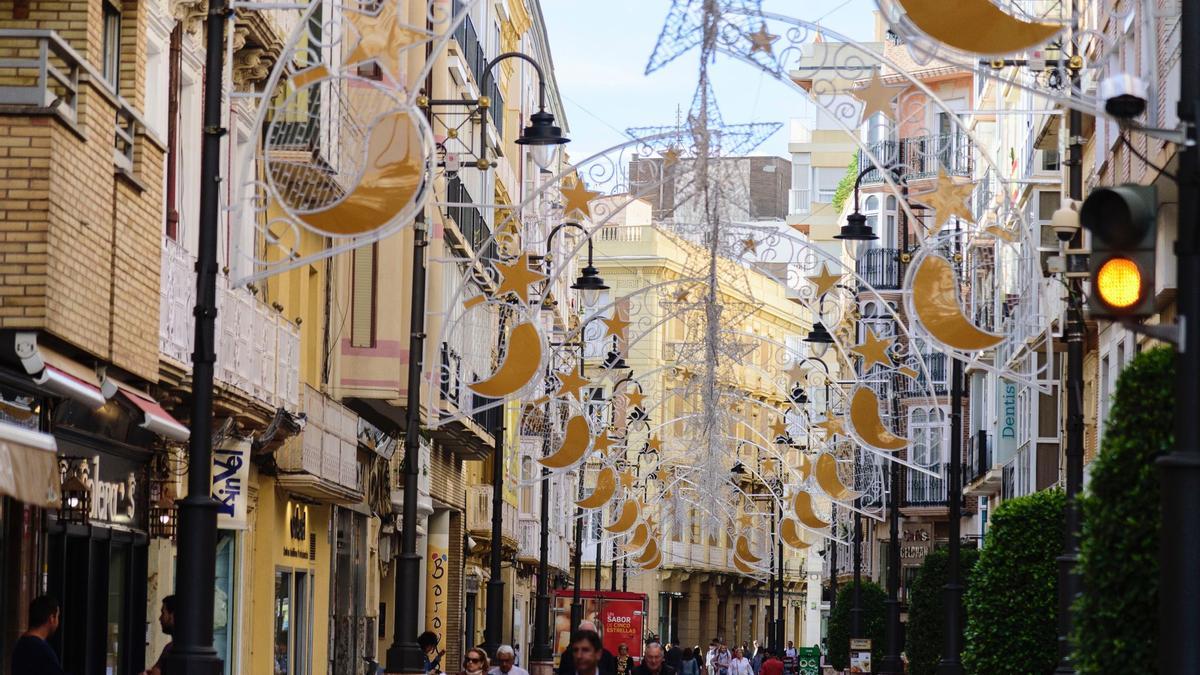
293 622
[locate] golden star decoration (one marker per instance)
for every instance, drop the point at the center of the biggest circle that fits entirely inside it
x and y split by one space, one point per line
576 199
745 520
762 41
877 97
617 325
750 245
874 349
948 199
779 428
797 374
825 281
682 295
627 479
602 443
517 277
833 427
634 398
670 156
655 443
382 39
571 383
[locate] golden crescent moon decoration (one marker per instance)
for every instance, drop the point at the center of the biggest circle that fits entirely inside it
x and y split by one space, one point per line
393 176
828 480
637 541
650 553
626 518
976 26
790 533
742 548
864 417
802 504
606 487
521 362
741 566
574 445
655 563
935 301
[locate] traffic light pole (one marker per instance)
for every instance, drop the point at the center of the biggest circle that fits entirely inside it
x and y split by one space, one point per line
1179 585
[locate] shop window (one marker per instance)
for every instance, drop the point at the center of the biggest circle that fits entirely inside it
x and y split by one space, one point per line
293 623
224 600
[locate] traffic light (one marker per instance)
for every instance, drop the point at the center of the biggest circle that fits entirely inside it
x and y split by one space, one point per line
1123 221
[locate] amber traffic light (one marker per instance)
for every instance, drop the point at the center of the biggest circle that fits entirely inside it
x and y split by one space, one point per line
1124 227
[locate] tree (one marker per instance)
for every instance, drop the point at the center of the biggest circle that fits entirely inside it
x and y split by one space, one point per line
925 635
1012 603
1116 617
874 616
845 186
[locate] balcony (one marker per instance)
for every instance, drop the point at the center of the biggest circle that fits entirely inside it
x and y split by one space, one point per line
258 351
472 227
925 490
468 436
529 547
981 478
799 202
938 379
479 517
322 461
473 55
920 156
880 268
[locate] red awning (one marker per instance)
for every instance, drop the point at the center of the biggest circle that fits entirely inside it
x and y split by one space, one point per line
157 419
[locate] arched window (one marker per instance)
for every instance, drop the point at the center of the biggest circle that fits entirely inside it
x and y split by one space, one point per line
871 210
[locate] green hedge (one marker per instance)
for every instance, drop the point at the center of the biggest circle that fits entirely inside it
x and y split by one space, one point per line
874 618
845 186
926 632
1013 599
1116 618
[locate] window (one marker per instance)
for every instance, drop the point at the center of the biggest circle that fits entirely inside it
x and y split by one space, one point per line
112 45
293 622
801 194
827 179
1050 160
362 297
927 432
527 485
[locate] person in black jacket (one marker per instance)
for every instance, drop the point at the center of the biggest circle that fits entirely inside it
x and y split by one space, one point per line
32 655
653 662
608 662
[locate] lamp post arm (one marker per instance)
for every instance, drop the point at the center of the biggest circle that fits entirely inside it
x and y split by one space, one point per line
486 79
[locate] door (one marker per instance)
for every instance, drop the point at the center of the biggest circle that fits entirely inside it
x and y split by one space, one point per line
349 589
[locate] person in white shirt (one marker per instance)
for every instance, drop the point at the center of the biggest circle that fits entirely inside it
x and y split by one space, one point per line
721 660
506 662
739 664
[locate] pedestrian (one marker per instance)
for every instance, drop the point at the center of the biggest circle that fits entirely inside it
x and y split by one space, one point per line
506 662
166 621
607 663
654 662
756 657
771 664
701 661
722 659
710 658
623 660
475 662
674 657
690 664
32 654
739 664
585 650
428 641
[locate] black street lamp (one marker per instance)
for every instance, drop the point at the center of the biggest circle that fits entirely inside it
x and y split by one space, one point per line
856 230
819 339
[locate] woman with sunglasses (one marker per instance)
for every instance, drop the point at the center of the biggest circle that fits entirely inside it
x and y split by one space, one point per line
475 662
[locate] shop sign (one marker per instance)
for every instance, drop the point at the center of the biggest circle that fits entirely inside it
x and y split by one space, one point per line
437 573
114 494
231 472
1006 415
860 656
622 624
917 541
296 545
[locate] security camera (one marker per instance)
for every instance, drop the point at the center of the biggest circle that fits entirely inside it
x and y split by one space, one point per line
1065 221
1124 95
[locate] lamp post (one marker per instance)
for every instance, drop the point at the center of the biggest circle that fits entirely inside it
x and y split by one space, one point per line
404 655
196 564
493 632
951 663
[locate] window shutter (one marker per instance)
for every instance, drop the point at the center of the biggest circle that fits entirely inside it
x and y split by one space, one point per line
362 297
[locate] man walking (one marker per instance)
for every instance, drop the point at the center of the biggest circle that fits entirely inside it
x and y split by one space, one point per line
506 662
653 662
585 650
166 621
771 665
607 663
32 654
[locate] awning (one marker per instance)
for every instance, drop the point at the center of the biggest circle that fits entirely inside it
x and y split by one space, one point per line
28 466
155 418
60 383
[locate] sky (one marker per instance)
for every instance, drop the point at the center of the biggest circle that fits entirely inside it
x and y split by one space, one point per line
600 50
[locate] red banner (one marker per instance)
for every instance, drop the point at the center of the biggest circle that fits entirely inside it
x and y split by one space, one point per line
621 623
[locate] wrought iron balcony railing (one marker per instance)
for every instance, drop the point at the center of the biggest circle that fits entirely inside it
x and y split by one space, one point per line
920 156
476 60
880 268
